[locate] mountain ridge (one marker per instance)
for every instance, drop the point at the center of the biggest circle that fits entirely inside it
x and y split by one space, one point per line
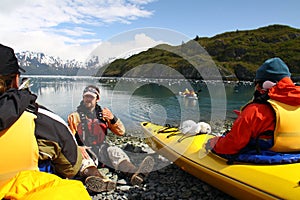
237 54
38 63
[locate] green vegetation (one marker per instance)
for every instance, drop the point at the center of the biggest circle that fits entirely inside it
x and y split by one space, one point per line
236 54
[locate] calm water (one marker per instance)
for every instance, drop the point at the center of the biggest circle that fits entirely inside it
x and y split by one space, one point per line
137 100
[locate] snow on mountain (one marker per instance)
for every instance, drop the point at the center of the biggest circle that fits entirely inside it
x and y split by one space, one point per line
28 58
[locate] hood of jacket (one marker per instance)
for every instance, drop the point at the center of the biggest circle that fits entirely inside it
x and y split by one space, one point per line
285 91
12 104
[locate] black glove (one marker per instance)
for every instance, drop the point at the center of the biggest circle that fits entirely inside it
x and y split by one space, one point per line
208 146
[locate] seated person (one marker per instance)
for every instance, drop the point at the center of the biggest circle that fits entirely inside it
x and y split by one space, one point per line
48 137
257 125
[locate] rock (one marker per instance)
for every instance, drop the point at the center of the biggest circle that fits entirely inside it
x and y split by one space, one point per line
124 188
122 182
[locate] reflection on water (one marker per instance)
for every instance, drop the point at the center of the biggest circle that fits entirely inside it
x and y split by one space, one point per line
137 100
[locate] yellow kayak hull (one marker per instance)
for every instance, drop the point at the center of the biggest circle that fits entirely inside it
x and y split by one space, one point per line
242 181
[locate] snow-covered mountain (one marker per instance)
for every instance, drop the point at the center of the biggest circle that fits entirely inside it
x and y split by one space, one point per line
39 63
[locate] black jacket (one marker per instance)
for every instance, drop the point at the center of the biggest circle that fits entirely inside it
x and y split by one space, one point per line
54 138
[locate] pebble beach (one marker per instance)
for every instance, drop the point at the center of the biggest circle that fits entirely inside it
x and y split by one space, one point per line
166 181
170 183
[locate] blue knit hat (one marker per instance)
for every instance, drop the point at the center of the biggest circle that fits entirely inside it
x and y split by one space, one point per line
273 69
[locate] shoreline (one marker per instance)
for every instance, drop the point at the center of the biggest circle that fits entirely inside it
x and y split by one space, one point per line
169 183
166 181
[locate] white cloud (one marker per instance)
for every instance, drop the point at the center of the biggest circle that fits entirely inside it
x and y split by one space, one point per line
7 6
63 28
110 50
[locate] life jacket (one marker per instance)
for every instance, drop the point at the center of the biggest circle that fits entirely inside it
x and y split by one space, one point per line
36 185
287 129
91 131
282 148
19 147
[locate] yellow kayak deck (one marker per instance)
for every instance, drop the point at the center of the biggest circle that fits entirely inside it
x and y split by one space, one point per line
242 181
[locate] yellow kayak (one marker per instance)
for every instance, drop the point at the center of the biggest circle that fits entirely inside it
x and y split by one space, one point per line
242 181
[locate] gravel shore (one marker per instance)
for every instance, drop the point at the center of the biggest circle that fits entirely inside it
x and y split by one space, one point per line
170 183
166 181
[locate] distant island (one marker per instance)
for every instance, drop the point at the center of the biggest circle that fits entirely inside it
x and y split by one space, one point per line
236 54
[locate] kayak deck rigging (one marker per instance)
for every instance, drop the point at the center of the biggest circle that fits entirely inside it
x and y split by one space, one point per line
241 180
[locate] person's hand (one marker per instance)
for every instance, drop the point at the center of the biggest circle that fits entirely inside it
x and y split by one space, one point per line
207 145
210 143
83 151
107 114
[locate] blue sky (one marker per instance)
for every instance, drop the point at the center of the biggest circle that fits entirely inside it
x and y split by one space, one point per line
74 28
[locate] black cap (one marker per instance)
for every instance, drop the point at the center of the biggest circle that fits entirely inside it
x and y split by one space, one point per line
8 61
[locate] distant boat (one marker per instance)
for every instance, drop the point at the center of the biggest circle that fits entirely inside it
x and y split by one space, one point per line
190 95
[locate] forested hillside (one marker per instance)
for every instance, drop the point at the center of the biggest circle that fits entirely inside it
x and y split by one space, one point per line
236 54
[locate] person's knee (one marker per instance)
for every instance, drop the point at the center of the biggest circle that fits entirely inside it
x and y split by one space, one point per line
116 155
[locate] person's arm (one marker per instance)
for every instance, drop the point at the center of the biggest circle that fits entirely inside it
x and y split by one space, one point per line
253 120
117 127
55 141
114 124
73 121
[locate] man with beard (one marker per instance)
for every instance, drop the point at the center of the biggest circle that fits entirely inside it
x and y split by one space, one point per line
90 124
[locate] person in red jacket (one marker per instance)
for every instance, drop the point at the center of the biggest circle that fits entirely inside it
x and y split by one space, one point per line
257 120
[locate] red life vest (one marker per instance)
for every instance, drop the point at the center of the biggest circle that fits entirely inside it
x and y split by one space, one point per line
96 132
